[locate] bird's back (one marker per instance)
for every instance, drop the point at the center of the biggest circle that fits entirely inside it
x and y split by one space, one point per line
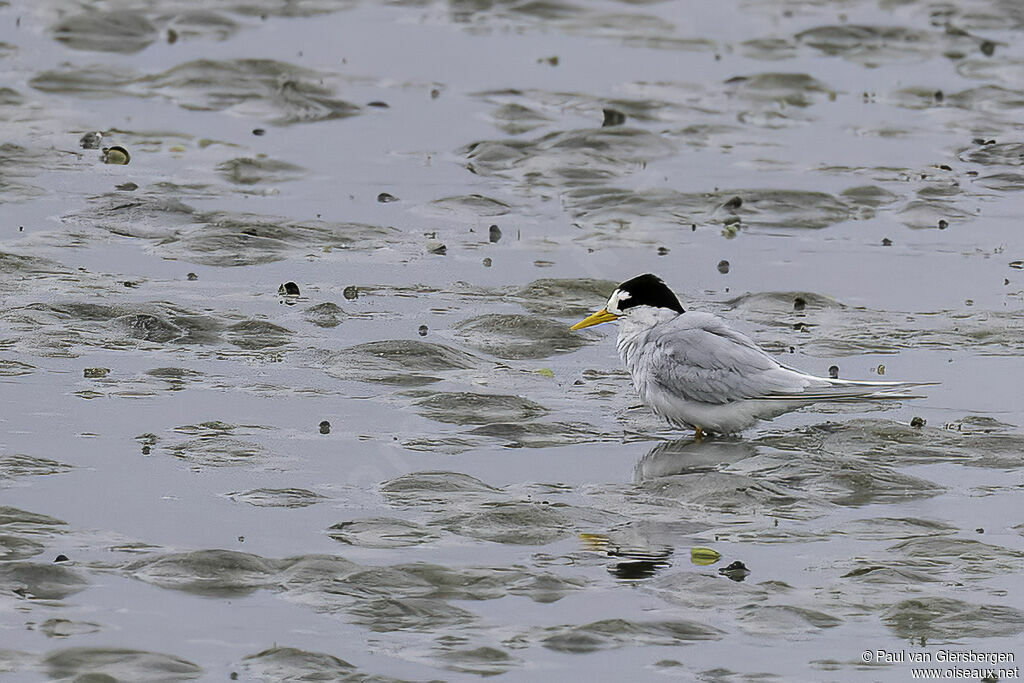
693 369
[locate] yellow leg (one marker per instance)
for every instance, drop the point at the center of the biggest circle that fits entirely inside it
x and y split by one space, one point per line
698 434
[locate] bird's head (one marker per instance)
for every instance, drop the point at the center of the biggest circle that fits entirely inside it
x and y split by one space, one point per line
643 290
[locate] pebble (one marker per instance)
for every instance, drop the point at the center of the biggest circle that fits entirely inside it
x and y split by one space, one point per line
723 267
612 117
351 292
737 571
91 140
494 233
325 427
116 155
288 289
833 372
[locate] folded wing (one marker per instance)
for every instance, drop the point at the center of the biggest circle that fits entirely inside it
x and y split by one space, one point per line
698 358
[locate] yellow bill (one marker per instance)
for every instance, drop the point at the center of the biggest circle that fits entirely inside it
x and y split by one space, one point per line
602 316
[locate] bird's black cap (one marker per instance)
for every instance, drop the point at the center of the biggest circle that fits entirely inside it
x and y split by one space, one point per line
648 290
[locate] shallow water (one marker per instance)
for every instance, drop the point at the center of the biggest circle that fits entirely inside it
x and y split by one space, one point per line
839 179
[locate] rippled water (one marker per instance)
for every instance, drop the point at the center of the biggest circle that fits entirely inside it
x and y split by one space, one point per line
409 468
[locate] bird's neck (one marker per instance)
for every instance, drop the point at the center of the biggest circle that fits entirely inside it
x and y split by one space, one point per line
635 327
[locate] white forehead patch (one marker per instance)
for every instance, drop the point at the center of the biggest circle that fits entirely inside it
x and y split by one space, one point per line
613 301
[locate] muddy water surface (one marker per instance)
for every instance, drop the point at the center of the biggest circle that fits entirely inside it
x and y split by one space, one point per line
448 186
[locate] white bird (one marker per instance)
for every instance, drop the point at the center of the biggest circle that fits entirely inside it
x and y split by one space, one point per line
695 371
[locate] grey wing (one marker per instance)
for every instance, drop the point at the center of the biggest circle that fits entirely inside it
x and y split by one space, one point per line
698 358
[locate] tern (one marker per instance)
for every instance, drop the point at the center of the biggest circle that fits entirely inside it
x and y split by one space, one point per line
697 373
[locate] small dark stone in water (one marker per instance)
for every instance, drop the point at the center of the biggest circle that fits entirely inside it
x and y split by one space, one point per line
241 539
435 93
734 203
422 330
325 427
62 558
191 277
146 450
833 371
886 242
21 228
945 167
96 373
693 227
378 104
737 571
116 155
487 262
552 61
988 48
436 246
918 422
799 303
494 233
172 36
129 284
127 187
288 289
258 131
385 197
351 292
943 224
980 530
723 267
662 251
939 96
91 140
612 118
800 327
233 676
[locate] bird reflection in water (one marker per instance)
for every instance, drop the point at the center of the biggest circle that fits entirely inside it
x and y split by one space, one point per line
635 556
687 456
